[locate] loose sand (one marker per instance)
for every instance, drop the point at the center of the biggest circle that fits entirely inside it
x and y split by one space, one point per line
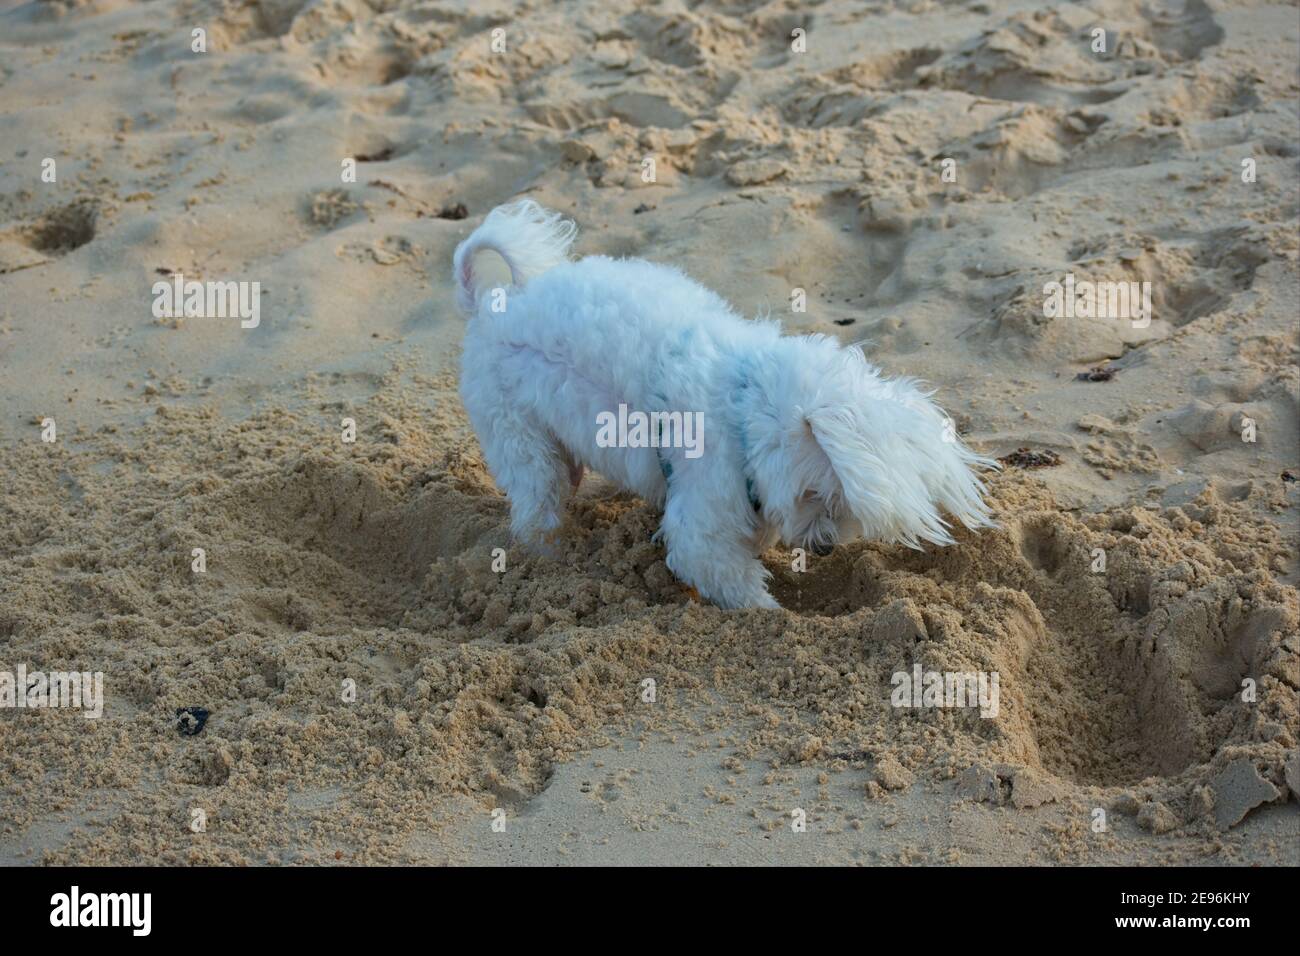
369 565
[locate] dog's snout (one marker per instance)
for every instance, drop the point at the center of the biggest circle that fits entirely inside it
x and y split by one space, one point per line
821 550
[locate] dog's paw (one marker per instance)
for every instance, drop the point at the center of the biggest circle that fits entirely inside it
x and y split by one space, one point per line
740 602
542 544
544 549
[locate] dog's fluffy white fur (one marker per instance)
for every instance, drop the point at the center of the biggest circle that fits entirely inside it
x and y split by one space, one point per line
804 441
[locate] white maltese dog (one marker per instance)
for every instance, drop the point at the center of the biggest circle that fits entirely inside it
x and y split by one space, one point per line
740 435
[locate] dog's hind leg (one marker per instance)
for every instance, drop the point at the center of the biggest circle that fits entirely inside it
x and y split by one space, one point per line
534 471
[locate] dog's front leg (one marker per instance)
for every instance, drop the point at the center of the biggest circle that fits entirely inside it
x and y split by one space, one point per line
706 551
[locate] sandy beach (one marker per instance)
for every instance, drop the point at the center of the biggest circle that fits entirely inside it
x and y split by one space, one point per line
385 677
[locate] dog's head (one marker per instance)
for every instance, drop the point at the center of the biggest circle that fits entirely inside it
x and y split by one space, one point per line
836 452
799 490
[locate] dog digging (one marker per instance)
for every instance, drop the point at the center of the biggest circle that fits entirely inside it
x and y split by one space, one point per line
807 443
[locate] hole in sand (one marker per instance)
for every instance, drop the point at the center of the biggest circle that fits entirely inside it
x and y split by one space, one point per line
844 581
64 229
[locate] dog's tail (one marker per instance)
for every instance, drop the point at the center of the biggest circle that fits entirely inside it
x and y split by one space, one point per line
529 238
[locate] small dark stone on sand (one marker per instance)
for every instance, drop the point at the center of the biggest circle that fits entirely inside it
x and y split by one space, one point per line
458 211
1097 374
1287 476
852 755
642 208
1024 458
844 321
190 720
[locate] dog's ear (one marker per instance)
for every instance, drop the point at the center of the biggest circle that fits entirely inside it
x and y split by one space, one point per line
887 498
836 432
